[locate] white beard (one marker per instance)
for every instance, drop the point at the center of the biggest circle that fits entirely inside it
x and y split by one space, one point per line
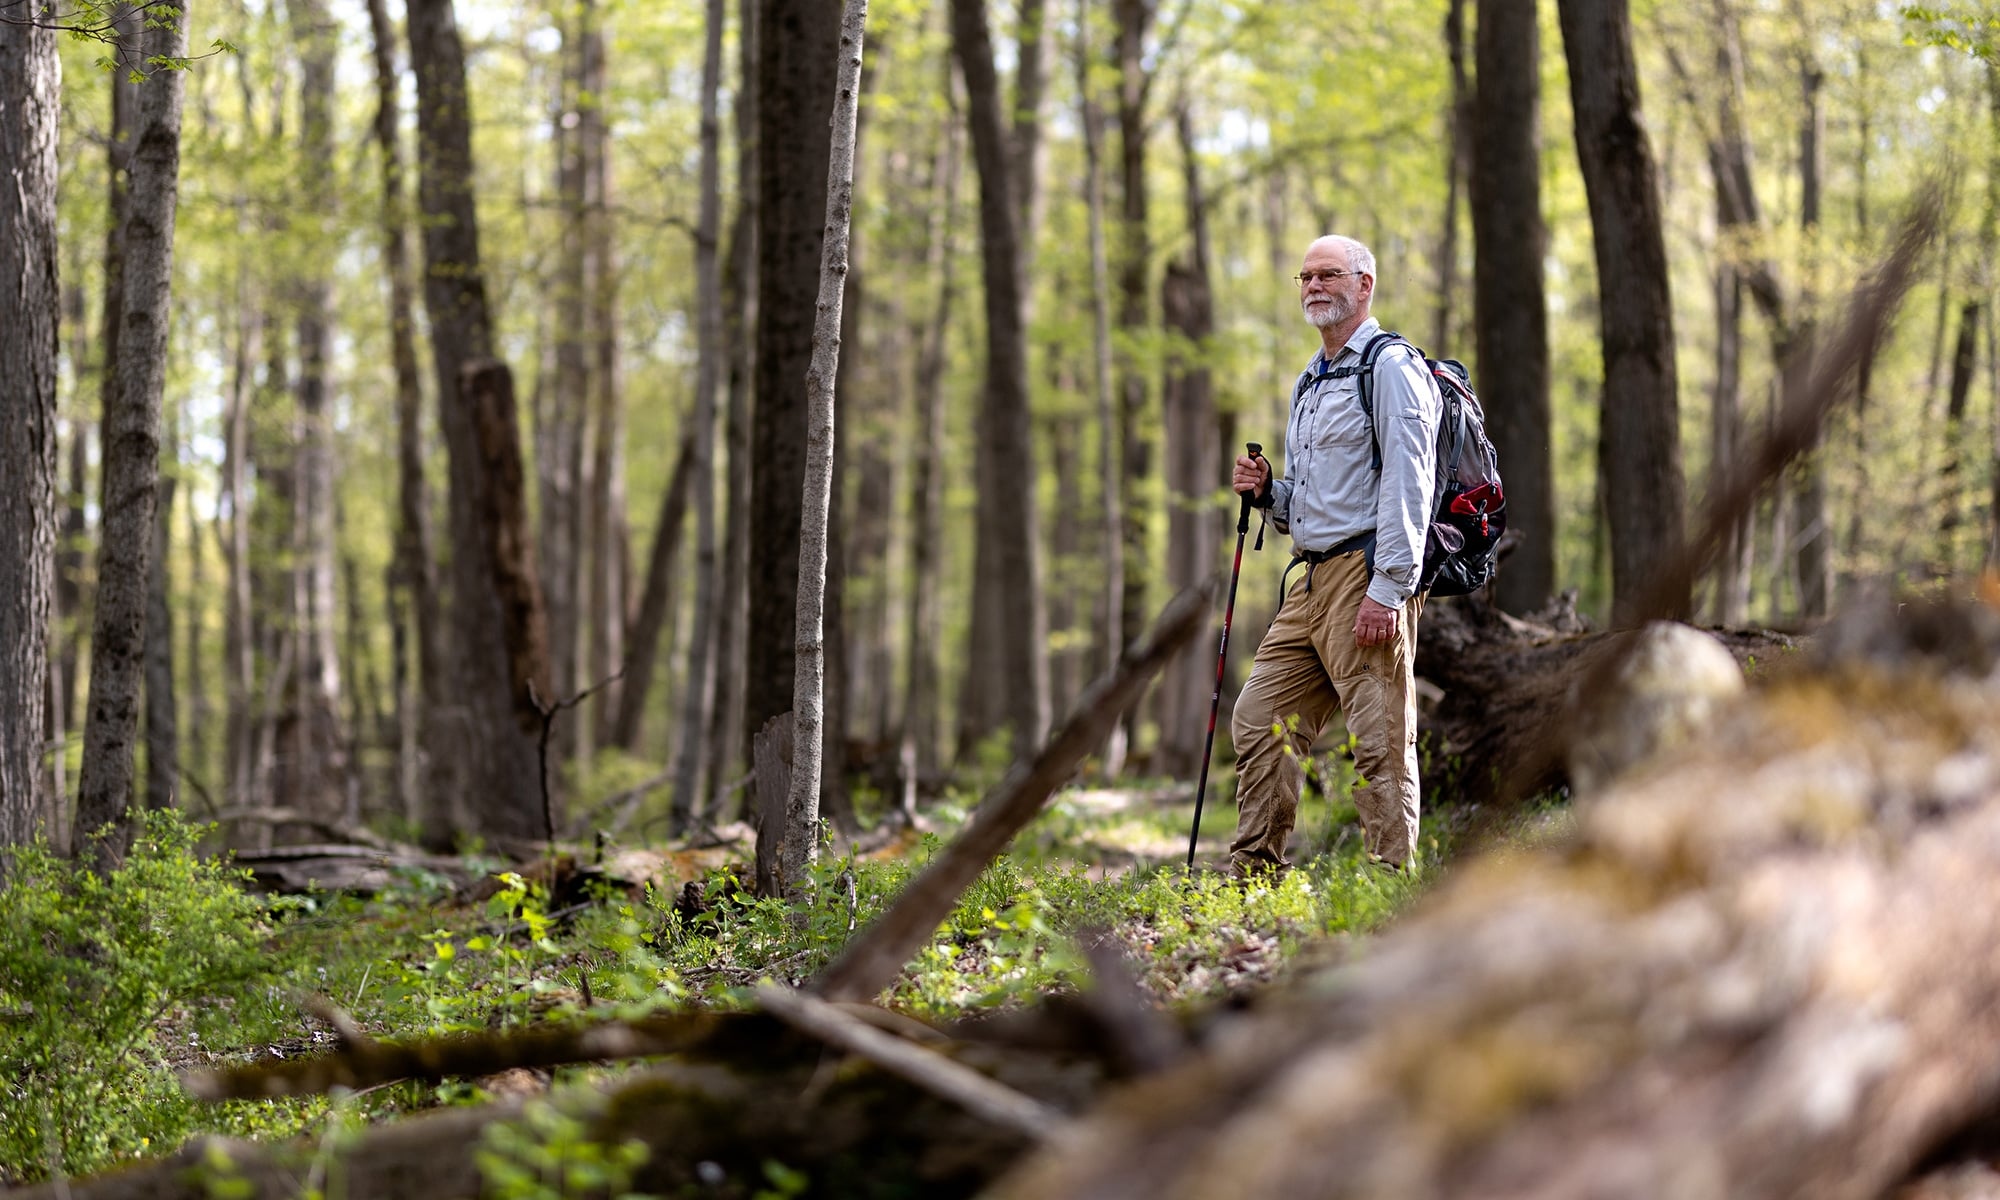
1324 312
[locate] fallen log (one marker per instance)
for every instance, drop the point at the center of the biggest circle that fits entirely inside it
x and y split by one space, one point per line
1763 970
1510 693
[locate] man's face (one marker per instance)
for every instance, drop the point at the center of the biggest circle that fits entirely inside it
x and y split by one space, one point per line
1329 298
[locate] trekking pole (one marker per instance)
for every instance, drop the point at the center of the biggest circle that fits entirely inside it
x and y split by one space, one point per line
1222 658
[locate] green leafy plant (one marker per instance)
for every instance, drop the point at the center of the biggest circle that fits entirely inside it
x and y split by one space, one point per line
92 968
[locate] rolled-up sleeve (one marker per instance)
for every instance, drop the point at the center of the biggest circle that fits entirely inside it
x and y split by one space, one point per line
1407 411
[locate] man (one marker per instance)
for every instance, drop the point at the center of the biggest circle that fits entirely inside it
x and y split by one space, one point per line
1346 631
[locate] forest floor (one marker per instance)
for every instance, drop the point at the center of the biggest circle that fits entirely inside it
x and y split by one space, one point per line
185 990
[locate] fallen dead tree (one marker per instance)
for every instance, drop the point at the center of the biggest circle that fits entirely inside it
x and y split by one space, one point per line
1764 970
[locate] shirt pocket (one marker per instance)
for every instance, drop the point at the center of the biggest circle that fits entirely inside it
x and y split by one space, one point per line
1342 422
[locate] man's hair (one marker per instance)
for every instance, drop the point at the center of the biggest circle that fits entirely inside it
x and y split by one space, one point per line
1359 257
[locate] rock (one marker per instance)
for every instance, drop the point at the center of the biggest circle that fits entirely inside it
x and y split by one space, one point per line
1662 696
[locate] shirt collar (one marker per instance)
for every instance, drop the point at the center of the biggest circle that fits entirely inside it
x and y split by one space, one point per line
1356 342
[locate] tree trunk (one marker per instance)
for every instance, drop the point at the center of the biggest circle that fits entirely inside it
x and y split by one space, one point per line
922 728
1459 124
1007 521
500 785
795 78
1639 459
1815 542
1110 469
656 602
131 457
739 290
1732 575
690 775
560 424
30 300
808 729
1509 246
239 635
319 761
608 585
1964 360
1134 17
1195 462
415 580
162 724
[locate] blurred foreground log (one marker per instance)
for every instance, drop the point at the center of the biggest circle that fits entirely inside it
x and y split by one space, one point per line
1764 970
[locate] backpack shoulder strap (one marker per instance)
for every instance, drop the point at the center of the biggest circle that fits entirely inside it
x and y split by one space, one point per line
1369 354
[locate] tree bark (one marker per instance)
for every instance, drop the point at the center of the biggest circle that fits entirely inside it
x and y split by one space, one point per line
690 774
808 728
131 458
559 433
739 290
795 78
1110 468
30 308
1510 243
1135 18
654 619
608 585
1815 543
415 578
1639 459
486 734
1459 124
1195 462
922 727
1007 521
162 721
319 763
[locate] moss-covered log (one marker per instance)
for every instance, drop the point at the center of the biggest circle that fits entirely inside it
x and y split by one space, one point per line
1765 969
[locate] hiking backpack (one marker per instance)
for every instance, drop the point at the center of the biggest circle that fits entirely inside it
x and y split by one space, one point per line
1470 510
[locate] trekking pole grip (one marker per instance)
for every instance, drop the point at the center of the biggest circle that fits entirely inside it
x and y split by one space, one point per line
1243 517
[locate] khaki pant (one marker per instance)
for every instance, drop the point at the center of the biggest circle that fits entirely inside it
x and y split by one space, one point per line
1307 667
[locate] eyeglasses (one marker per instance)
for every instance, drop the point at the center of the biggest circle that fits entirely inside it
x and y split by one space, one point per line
1306 278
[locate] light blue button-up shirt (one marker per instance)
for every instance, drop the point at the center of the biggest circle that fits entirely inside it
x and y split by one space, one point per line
1331 492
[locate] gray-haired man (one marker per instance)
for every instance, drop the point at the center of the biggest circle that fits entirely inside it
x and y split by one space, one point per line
1345 635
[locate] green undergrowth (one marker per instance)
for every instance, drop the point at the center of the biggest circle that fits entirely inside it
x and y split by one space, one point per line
182 968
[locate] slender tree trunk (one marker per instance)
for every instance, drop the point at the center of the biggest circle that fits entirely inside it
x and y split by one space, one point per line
1458 168
1134 17
608 584
1815 543
1007 519
808 732
195 758
560 429
131 457
795 78
656 602
690 773
922 728
1863 497
162 723
73 591
1510 243
1639 459
319 770
30 309
726 732
1195 462
239 636
1732 573
412 571
500 786
1110 477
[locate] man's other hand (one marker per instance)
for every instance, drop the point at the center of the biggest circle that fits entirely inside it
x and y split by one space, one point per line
1252 476
1374 624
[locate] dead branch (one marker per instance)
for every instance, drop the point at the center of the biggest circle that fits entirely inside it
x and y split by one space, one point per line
873 960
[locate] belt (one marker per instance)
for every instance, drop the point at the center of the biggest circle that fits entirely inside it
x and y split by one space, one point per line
1363 542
